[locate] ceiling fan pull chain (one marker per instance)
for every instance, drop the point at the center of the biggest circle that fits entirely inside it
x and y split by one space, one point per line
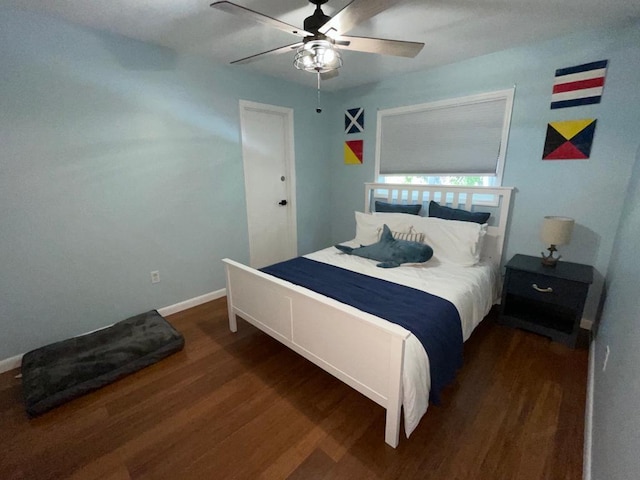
318 109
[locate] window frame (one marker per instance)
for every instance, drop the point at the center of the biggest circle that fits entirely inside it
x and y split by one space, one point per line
506 94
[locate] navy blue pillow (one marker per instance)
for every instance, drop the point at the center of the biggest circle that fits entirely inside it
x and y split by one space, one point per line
384 207
439 211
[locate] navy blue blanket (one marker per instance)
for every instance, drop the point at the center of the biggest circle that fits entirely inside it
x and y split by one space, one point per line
433 320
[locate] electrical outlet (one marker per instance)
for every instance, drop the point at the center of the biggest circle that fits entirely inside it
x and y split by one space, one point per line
607 351
155 276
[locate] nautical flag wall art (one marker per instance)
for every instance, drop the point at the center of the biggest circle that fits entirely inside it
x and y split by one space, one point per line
353 152
354 120
569 140
579 85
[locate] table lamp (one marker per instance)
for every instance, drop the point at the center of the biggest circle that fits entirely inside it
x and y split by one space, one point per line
555 231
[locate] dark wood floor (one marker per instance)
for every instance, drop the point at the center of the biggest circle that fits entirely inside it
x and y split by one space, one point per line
243 406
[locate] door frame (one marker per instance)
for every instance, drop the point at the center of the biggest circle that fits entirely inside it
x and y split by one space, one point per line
289 161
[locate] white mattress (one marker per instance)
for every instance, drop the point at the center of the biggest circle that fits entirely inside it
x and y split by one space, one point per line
471 289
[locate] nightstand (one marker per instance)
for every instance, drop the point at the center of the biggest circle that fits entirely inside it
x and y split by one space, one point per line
545 300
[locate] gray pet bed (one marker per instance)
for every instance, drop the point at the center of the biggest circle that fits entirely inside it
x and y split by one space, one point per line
62 371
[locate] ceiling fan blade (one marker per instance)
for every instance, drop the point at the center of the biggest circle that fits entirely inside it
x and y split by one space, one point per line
329 75
354 13
382 46
260 56
230 7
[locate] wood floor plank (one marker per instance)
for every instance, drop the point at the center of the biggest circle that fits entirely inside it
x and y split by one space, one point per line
315 466
240 405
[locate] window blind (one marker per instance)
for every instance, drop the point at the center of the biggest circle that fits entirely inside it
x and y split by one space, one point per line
450 139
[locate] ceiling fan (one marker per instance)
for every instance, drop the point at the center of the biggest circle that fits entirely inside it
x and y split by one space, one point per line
316 53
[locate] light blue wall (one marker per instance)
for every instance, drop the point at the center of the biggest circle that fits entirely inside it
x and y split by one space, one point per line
616 422
587 190
118 158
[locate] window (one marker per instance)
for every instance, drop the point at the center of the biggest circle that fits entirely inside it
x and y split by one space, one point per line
459 141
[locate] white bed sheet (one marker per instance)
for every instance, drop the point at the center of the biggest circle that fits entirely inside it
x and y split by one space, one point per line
471 289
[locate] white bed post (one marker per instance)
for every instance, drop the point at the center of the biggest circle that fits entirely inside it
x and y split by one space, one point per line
394 400
233 321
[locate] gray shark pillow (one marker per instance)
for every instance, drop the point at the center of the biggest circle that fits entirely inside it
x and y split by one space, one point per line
391 252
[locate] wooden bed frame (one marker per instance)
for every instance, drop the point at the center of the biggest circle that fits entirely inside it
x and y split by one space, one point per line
354 346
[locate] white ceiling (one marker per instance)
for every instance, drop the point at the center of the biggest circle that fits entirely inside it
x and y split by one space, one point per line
452 30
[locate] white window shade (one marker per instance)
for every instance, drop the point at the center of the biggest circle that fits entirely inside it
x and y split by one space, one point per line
459 136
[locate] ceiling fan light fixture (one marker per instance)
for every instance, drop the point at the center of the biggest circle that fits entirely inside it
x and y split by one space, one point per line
317 56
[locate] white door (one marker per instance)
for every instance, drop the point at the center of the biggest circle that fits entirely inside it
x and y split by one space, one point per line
269 178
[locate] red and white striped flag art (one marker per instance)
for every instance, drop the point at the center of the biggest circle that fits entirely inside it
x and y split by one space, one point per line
579 85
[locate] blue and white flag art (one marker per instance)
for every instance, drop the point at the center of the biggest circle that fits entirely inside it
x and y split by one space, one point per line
354 120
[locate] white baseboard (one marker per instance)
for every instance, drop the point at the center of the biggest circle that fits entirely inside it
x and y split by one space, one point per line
15 362
192 302
10 363
588 415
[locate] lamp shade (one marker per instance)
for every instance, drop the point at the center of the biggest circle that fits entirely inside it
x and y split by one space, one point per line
557 230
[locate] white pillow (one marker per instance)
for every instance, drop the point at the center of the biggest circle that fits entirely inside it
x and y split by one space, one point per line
368 225
452 241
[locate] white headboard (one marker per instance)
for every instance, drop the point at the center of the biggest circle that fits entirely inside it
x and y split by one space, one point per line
496 200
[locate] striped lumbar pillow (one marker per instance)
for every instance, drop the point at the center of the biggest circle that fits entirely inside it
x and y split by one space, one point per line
410 236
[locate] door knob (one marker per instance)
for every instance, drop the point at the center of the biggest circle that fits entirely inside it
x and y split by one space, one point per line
282 202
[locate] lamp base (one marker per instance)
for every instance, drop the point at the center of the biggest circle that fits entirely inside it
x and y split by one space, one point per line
550 260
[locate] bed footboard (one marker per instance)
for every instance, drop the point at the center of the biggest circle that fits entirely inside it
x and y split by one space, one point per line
359 349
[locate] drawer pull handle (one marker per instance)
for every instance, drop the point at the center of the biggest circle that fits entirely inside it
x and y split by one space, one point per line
542 290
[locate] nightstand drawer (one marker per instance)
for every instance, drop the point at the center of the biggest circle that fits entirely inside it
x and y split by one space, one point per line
557 291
